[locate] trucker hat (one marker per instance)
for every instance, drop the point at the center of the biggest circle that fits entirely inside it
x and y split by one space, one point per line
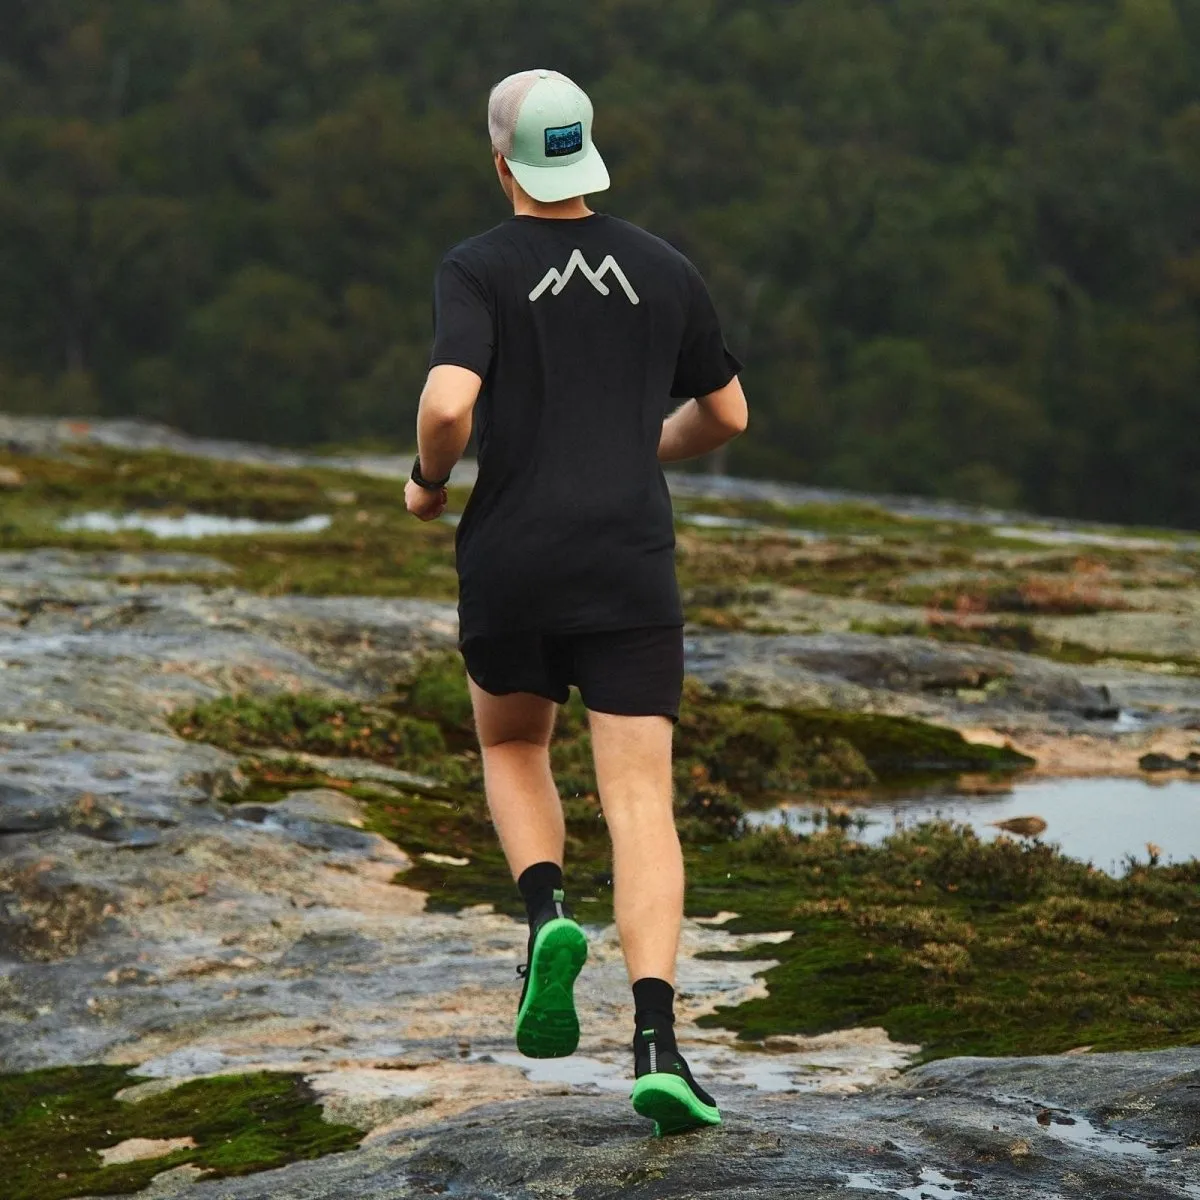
541 123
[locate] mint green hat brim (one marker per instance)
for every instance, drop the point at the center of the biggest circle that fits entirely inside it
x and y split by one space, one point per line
549 184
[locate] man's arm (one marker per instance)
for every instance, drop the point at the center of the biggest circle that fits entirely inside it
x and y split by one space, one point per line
444 418
700 425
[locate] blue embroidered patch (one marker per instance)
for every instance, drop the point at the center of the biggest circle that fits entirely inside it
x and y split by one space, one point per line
565 139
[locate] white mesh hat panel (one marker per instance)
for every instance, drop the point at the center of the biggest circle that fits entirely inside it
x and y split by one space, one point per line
504 105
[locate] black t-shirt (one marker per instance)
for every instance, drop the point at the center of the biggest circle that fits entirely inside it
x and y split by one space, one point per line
583 330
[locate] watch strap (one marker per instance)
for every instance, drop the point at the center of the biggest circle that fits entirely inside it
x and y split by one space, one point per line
420 480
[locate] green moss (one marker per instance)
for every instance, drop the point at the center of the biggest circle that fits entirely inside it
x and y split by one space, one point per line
962 946
373 547
316 725
746 747
727 754
767 750
848 518
54 1122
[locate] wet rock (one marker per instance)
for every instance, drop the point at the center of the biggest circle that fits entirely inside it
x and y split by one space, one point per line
24 811
1164 762
47 564
1022 826
897 674
958 1127
322 804
359 770
200 941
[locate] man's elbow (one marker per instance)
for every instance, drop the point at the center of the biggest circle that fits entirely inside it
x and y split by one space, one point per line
734 418
445 418
727 407
738 422
444 411
449 395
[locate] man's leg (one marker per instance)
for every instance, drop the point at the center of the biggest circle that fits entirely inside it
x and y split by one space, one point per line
633 772
514 740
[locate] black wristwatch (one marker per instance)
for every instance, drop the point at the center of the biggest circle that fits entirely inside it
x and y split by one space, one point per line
432 485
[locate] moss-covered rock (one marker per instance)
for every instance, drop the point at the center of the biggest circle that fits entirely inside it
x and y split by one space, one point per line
314 724
963 946
960 945
759 749
55 1122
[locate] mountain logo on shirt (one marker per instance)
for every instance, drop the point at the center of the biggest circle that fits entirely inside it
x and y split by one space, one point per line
556 280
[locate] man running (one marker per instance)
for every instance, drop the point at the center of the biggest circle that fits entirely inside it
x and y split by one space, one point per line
573 330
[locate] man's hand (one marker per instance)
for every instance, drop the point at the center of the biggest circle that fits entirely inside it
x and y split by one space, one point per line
423 503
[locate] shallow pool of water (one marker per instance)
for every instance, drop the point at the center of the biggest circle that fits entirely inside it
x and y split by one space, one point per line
716 521
933 1185
1084 537
189 525
1100 821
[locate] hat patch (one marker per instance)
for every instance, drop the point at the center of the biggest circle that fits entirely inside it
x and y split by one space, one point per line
564 139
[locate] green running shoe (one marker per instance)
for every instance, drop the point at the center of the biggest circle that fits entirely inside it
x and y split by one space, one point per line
547 1025
664 1089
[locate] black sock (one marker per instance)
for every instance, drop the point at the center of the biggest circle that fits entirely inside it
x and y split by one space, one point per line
654 998
537 885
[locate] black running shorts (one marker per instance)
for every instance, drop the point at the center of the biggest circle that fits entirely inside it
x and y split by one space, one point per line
633 672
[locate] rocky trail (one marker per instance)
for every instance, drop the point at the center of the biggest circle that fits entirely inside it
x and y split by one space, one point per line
150 918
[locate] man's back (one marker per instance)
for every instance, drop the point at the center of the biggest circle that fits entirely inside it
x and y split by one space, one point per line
582 330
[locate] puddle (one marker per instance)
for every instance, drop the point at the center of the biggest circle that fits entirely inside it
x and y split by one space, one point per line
716 521
1131 721
1087 1137
933 1185
577 1071
189 525
1083 537
1078 1131
1094 820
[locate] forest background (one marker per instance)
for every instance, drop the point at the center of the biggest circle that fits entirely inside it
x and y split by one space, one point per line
956 242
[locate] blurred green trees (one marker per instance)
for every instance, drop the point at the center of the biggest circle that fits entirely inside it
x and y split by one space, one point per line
956 241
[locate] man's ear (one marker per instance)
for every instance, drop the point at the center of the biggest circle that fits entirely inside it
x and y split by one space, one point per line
504 174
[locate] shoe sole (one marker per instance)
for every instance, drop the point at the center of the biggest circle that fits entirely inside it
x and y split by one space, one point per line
671 1104
547 1025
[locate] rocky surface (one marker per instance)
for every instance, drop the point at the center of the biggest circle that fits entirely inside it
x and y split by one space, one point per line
1103 1127
148 918
1034 703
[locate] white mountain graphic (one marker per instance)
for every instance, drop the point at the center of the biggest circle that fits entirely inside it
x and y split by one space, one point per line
556 281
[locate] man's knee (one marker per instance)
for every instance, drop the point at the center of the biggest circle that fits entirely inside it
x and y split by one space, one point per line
532 743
